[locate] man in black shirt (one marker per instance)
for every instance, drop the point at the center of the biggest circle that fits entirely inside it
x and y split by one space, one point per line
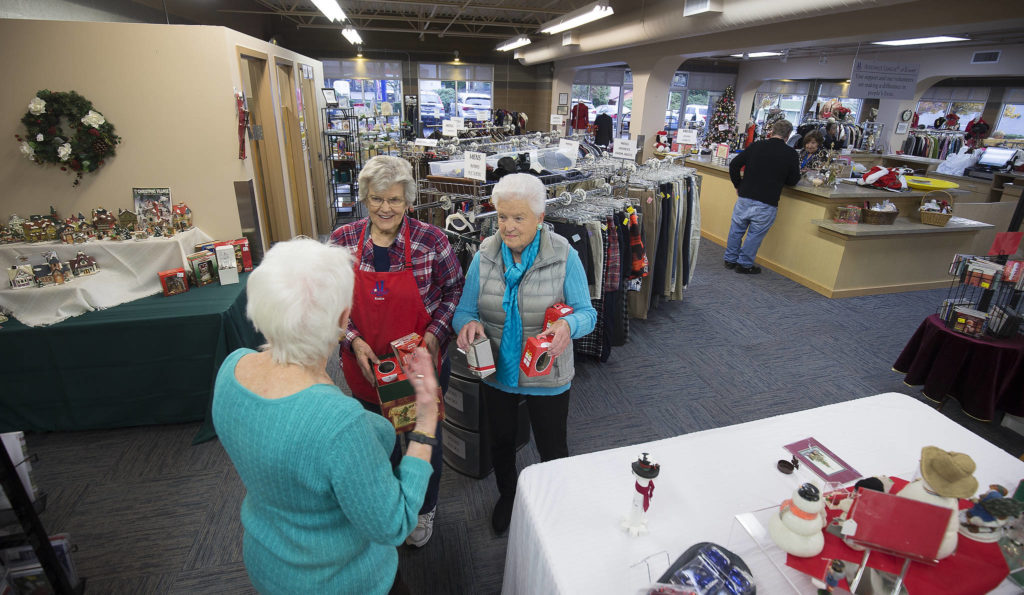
770 163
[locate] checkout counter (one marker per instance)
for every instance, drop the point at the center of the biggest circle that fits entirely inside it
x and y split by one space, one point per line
844 260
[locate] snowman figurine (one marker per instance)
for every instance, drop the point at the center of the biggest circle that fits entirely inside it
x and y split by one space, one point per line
796 529
644 471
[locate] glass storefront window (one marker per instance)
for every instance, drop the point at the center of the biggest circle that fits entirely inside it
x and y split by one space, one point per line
967 110
448 91
929 111
1011 120
378 99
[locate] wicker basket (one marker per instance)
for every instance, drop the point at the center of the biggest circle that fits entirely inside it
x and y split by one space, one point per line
933 218
878 217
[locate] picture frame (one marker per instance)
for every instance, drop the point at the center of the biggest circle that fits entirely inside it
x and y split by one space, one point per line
330 96
822 462
563 99
562 110
902 127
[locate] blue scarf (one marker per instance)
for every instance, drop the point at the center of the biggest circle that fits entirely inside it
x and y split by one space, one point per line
511 348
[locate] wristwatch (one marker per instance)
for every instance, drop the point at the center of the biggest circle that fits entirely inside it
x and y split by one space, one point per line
416 436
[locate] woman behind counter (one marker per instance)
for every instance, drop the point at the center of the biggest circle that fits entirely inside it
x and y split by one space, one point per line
514 277
812 156
407 280
324 508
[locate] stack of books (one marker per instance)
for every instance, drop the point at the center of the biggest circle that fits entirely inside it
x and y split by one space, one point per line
946 312
25 575
983 273
969 321
1003 321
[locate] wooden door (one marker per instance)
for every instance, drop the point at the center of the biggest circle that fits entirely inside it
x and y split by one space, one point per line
295 164
322 207
266 159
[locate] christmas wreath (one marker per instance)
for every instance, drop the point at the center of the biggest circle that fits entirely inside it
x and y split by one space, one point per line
62 128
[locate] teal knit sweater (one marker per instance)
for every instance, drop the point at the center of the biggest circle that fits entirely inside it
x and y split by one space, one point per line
324 511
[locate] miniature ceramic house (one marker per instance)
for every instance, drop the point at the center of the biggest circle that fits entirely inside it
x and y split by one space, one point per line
15 223
83 264
181 216
60 271
104 222
21 276
126 218
6 235
67 233
43 275
39 229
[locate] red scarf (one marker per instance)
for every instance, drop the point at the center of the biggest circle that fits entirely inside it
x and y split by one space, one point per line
648 493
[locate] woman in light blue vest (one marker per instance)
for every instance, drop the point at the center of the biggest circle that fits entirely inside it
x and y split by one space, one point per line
514 277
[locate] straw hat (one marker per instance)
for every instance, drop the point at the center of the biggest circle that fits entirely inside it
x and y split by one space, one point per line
949 474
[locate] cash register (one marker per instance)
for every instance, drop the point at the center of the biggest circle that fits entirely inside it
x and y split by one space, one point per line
993 160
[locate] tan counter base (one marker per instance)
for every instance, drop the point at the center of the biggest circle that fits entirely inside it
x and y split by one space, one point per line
833 264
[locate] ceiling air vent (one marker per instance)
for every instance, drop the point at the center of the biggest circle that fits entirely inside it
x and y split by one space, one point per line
692 7
985 57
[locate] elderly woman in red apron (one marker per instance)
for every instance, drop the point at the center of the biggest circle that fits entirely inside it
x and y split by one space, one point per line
407 280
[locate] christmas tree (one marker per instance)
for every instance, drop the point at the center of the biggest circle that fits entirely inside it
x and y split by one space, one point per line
722 127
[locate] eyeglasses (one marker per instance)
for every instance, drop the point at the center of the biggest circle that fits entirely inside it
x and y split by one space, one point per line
395 202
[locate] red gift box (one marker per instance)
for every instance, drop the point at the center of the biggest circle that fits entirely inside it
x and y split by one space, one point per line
173 281
537 359
555 312
404 347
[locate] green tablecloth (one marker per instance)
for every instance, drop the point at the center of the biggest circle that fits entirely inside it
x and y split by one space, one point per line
151 361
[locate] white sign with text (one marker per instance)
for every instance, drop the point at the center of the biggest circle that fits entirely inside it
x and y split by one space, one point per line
625 149
426 142
883 80
570 149
556 120
686 136
460 122
476 166
448 128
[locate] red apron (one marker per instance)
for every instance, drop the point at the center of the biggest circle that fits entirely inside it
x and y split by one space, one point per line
385 307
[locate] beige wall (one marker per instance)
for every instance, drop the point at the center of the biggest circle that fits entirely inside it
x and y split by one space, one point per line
167 89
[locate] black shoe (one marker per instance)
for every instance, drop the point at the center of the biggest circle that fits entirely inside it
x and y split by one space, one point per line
730 265
751 270
502 516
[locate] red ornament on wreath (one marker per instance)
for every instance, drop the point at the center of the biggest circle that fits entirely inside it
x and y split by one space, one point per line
89 141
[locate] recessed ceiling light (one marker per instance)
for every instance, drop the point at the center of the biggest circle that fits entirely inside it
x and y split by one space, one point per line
921 40
756 54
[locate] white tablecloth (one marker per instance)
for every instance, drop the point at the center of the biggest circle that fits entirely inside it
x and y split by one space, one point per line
128 271
565 535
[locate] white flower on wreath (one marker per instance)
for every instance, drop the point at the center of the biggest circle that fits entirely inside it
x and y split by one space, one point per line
94 119
64 151
39 137
36 106
27 150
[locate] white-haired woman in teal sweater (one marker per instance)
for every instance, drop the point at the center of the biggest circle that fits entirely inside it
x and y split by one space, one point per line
324 509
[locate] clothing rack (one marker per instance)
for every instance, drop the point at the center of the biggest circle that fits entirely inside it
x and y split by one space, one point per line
932 143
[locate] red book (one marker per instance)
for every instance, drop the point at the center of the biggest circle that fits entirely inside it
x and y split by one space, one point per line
899 526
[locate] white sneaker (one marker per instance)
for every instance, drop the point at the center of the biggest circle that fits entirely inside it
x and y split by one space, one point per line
424 529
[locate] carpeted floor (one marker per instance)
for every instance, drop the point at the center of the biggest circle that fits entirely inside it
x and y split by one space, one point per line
152 514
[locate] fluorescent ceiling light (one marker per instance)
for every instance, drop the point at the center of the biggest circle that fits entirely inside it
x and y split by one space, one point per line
351 35
580 16
331 9
757 54
921 40
515 42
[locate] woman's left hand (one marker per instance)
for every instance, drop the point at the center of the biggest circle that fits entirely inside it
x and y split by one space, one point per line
561 337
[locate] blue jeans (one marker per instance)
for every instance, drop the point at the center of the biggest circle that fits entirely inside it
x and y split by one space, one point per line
751 217
436 461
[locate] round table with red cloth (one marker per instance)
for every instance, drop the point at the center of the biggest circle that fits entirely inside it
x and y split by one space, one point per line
984 374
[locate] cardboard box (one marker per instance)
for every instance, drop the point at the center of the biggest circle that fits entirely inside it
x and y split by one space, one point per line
173 281
396 394
480 358
227 265
243 257
404 347
555 312
203 267
537 360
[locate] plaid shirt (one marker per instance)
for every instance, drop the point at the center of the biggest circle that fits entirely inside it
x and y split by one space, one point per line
434 266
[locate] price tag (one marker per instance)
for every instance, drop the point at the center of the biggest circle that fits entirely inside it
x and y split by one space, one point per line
625 149
448 128
686 136
556 119
570 149
476 166
426 142
723 127
460 122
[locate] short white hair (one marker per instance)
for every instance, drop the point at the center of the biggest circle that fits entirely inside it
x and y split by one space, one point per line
521 187
383 172
296 297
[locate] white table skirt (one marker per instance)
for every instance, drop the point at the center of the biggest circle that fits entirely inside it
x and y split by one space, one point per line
565 535
128 271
